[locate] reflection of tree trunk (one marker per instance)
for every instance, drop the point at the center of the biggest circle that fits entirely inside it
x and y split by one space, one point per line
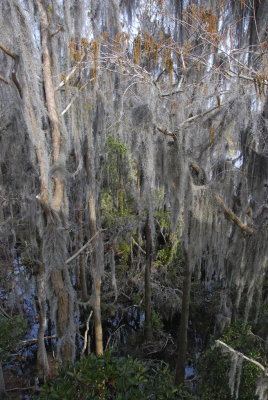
2 383
42 361
182 338
147 288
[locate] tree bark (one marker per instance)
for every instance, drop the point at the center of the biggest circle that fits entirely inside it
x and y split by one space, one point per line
147 282
182 337
54 209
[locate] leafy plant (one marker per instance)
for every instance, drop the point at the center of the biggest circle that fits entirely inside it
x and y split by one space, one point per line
111 377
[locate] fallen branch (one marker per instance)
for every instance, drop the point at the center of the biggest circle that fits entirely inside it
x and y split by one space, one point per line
231 350
83 248
234 218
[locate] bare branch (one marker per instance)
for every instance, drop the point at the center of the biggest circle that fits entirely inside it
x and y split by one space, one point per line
62 83
86 334
137 244
83 248
57 31
166 132
7 52
231 350
15 80
29 342
191 119
4 79
236 220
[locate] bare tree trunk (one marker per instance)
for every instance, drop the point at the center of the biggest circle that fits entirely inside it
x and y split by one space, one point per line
147 286
182 338
96 276
54 254
96 256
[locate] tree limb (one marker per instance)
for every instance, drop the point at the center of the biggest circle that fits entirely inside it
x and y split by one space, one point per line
29 342
86 335
199 115
236 220
57 31
4 79
166 132
137 244
231 350
83 248
7 51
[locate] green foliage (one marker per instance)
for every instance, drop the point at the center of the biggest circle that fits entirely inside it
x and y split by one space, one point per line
12 329
117 201
214 365
157 323
125 250
111 377
171 252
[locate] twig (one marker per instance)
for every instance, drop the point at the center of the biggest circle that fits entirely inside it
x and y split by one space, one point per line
57 31
83 248
243 356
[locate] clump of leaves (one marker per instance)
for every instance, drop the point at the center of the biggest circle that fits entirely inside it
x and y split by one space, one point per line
111 377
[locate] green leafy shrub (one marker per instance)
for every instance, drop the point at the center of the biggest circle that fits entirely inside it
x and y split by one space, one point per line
110 377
